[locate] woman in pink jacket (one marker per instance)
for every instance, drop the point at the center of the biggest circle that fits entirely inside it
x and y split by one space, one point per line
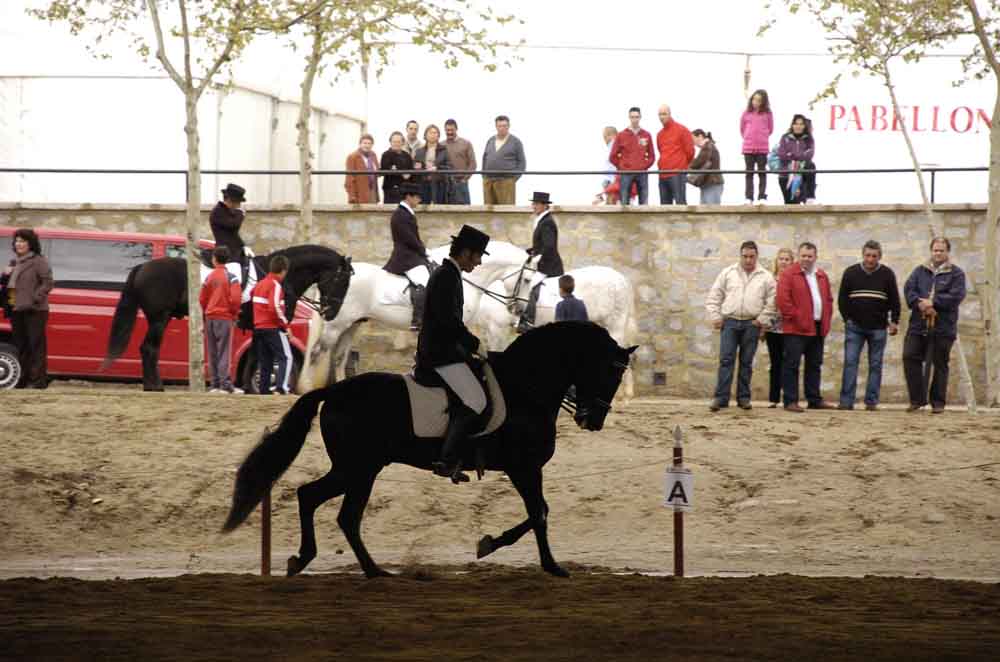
756 126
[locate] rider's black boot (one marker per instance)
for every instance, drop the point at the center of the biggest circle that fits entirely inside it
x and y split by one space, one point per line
527 321
450 464
418 293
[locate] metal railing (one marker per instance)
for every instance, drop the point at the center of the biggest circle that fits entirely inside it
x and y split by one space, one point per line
933 171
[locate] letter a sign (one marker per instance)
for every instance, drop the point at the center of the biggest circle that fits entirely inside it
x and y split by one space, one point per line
679 489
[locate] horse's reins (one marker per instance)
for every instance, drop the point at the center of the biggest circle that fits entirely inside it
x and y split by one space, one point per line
505 299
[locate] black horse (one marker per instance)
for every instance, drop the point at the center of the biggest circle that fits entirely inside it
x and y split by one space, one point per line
159 288
366 425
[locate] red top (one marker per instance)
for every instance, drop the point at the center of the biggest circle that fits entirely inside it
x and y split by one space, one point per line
676 147
632 151
795 302
220 295
269 304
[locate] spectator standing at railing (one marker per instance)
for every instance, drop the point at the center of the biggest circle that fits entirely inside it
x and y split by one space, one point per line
504 152
796 151
394 158
433 158
610 176
710 184
362 188
412 142
462 157
676 151
633 150
756 127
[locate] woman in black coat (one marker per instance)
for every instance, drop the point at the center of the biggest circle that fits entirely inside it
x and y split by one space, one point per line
433 157
394 158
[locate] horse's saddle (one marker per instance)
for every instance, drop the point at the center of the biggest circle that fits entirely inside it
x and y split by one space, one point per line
429 405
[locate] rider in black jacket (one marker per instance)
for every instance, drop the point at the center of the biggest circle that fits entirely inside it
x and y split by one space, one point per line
545 251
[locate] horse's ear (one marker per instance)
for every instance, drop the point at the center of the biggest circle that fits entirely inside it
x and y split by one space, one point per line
632 349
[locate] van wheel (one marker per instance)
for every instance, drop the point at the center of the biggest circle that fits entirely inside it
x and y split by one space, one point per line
251 373
10 366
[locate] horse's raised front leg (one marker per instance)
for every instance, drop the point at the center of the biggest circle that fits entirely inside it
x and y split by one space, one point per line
312 496
488 544
351 511
342 353
529 485
150 352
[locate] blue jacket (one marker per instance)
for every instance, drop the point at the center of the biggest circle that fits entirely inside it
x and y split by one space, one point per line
571 308
949 292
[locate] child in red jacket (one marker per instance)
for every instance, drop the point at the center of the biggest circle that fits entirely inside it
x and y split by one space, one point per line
270 328
220 302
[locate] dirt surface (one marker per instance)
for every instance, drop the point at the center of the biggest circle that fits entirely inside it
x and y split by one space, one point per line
103 483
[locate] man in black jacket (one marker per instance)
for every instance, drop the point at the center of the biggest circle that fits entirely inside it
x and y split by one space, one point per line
226 219
544 252
409 255
446 346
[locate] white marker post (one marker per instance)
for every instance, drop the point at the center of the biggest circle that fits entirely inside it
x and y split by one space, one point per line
679 488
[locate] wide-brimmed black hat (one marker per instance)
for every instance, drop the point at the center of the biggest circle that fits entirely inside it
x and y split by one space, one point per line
409 189
541 197
234 192
470 237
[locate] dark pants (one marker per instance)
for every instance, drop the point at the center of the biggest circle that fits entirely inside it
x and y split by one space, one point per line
808 189
736 335
391 196
219 336
28 328
673 191
641 184
797 347
775 350
914 353
459 194
434 192
756 162
272 346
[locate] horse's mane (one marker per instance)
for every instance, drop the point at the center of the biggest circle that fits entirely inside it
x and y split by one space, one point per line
556 333
307 249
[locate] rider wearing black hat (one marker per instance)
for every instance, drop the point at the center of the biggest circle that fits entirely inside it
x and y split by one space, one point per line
226 219
545 252
446 346
409 255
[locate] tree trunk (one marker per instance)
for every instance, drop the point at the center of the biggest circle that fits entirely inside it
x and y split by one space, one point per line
196 335
968 390
304 233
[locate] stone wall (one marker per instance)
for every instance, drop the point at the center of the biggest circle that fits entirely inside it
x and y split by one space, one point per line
671 255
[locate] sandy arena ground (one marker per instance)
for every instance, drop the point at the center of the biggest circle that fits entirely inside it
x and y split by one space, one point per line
109 482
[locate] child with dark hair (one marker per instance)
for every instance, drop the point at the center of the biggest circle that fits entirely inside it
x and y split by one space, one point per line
570 308
756 127
220 301
270 328
796 151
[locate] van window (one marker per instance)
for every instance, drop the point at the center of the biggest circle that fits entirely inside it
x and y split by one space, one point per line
95 263
176 250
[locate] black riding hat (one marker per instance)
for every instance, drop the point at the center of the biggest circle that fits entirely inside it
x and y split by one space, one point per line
234 192
541 197
473 238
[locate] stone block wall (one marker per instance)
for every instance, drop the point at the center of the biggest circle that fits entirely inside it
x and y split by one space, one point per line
671 255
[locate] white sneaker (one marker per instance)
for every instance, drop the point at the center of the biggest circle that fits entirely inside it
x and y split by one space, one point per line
235 391
812 201
215 390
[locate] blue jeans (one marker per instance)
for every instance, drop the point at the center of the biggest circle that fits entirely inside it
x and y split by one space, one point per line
854 340
641 184
673 190
459 193
736 335
711 194
811 349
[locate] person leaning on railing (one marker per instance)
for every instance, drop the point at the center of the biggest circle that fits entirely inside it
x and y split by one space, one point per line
709 184
796 151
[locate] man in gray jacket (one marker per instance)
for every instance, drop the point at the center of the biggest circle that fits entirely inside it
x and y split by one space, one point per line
505 153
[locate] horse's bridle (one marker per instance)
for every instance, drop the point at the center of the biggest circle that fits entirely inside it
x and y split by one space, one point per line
507 300
327 301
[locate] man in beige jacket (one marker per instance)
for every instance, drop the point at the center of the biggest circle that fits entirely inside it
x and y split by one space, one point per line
740 304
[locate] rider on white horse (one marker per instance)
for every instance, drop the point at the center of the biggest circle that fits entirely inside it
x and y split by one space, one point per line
445 345
409 255
544 254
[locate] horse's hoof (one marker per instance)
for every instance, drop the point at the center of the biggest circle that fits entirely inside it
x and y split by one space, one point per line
377 572
295 566
556 570
485 547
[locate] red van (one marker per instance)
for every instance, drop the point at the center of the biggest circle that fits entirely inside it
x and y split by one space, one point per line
89 269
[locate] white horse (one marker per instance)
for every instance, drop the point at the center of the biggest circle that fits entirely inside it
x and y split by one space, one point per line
379 296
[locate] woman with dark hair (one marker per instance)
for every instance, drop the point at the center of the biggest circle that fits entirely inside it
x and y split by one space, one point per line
795 151
433 157
394 158
710 184
25 285
756 127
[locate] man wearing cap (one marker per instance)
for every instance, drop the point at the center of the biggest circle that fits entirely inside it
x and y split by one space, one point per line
226 219
544 255
446 346
409 255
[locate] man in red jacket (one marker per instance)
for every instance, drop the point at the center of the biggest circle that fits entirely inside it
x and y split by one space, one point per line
270 327
805 302
220 302
676 153
633 150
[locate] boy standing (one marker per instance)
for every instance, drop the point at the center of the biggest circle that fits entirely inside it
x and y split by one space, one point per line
270 327
220 301
570 308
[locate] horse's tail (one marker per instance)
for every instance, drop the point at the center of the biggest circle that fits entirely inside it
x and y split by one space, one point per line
124 320
272 456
